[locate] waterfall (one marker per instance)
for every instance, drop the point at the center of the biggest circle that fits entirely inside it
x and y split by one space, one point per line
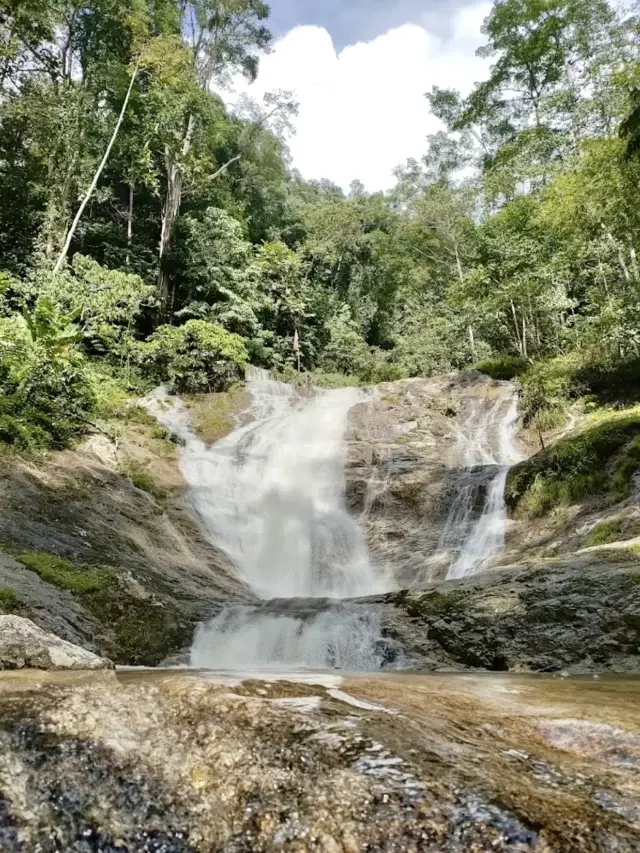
271 496
485 451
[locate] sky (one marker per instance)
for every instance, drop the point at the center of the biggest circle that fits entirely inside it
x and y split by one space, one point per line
359 70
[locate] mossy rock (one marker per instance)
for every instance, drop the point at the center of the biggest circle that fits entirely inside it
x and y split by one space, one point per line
135 630
213 415
598 461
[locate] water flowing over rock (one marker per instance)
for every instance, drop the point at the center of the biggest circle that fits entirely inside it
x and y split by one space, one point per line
426 469
271 495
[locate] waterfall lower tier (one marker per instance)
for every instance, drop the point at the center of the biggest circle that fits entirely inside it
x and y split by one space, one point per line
295 634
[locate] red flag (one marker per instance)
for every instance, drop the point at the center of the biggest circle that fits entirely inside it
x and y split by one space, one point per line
296 342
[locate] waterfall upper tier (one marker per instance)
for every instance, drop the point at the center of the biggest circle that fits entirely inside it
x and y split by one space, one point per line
271 494
425 474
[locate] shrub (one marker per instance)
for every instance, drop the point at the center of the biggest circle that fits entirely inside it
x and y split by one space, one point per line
105 302
504 367
194 358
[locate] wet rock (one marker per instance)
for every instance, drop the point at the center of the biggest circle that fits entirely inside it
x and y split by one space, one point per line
24 645
163 762
574 615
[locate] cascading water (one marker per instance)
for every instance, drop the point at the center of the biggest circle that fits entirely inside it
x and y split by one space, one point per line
485 452
271 495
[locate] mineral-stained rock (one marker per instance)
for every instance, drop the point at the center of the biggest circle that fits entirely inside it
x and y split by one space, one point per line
24 645
149 762
403 467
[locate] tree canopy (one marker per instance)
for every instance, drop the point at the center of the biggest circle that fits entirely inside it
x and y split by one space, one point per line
158 229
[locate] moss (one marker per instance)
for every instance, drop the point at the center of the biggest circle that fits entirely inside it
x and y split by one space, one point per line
136 631
213 415
600 460
142 478
159 433
605 533
435 604
9 602
64 574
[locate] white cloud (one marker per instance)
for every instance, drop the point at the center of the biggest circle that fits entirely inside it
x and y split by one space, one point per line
363 110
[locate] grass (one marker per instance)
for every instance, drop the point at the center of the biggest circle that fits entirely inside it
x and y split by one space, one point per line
142 478
136 631
65 574
599 460
9 602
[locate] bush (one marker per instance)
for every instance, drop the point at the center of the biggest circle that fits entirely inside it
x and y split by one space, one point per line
105 302
46 407
503 367
194 358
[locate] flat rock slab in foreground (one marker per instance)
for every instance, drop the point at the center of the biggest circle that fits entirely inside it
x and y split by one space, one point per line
24 645
395 763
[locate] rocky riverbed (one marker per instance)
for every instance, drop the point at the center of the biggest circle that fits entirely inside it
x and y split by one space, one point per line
173 762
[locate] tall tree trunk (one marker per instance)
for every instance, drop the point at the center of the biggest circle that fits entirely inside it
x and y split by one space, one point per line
472 344
132 189
516 326
458 261
616 245
170 211
96 177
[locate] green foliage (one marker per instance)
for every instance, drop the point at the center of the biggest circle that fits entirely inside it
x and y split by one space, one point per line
600 460
46 396
193 358
512 245
505 367
347 351
105 303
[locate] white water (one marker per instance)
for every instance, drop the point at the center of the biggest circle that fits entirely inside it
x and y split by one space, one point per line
271 495
486 450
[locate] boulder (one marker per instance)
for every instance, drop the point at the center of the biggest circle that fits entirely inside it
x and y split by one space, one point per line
24 645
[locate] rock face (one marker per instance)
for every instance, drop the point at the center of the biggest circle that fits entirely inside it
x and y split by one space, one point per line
77 505
404 466
580 614
24 645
